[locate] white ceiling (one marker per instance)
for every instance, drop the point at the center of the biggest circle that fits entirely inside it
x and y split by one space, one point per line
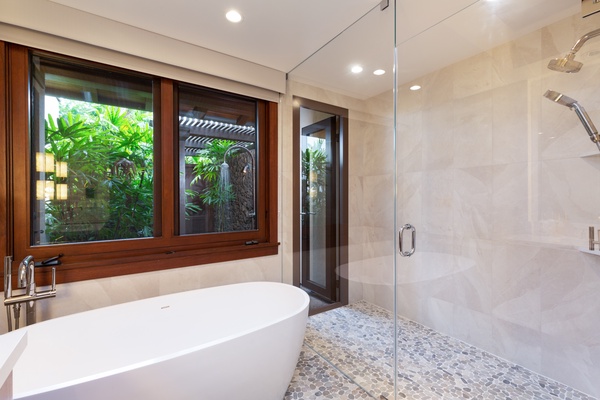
316 41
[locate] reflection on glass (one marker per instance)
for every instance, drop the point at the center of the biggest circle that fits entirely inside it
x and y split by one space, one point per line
314 205
92 154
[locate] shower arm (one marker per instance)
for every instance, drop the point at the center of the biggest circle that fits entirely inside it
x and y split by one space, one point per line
581 41
237 146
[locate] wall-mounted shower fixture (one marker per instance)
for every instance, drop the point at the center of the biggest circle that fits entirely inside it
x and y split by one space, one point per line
593 241
247 168
579 110
567 63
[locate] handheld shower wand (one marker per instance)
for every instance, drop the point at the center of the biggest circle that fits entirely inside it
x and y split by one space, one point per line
579 110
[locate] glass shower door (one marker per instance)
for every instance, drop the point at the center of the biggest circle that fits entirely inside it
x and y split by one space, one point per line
353 344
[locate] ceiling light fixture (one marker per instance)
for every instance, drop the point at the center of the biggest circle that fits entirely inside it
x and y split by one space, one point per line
233 16
415 87
379 72
356 69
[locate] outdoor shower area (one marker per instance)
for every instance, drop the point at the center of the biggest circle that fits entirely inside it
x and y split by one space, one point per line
218 138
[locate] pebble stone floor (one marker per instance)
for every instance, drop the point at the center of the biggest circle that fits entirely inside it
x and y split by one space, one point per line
348 354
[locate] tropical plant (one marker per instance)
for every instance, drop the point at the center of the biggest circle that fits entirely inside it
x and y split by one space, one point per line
313 164
109 152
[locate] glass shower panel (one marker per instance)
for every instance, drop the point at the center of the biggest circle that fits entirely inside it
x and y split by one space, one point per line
483 177
356 334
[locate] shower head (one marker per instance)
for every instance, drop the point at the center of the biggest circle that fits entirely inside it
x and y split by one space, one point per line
567 63
579 110
559 98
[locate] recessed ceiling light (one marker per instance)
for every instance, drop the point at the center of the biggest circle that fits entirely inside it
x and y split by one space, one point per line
357 69
379 72
415 87
233 16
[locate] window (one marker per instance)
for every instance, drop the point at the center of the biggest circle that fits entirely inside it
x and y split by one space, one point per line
121 172
217 153
92 154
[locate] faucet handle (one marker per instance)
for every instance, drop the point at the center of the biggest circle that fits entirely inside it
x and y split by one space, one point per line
54 279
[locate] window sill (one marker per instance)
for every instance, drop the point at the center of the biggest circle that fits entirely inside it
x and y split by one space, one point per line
73 272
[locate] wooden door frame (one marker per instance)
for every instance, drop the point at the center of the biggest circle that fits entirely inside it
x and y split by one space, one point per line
342 247
330 126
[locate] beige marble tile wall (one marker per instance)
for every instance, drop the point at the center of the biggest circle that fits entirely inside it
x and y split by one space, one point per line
502 185
88 295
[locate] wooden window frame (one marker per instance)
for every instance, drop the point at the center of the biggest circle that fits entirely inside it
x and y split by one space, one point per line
166 250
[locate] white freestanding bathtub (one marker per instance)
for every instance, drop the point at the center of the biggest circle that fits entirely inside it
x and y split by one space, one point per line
238 341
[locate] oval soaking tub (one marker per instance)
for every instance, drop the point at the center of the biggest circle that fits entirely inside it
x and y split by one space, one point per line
239 341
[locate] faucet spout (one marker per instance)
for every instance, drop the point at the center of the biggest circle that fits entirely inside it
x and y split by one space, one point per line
27 275
25 280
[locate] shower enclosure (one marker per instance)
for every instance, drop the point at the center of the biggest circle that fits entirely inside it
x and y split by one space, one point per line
452 142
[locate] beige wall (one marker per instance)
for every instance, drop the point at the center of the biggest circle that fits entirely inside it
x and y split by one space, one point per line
371 161
88 295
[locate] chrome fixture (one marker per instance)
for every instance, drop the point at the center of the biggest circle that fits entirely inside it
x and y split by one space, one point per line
247 168
579 110
25 280
413 231
593 242
26 273
567 63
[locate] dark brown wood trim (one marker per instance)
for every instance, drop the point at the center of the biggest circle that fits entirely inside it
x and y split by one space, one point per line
155 262
5 215
343 191
271 191
344 228
18 93
166 250
295 198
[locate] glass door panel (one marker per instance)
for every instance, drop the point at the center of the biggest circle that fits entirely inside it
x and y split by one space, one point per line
318 213
356 339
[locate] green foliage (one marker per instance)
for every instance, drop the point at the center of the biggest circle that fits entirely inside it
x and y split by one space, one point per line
109 152
314 173
208 168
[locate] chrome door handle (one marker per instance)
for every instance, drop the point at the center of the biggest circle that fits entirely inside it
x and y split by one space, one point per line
413 240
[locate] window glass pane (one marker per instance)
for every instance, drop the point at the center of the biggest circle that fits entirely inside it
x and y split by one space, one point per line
217 161
92 154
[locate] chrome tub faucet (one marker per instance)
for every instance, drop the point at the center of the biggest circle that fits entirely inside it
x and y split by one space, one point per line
25 280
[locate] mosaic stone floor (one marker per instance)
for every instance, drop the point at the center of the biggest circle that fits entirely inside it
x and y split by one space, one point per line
348 354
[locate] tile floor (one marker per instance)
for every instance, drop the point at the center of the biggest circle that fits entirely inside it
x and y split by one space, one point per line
348 354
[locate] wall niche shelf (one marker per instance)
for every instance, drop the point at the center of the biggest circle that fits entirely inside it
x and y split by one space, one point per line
591 155
593 252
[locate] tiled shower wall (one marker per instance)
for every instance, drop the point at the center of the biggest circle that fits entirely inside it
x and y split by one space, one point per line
502 185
